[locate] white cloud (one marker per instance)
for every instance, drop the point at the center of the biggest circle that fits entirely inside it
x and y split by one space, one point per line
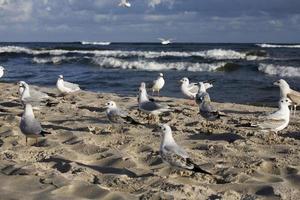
153 3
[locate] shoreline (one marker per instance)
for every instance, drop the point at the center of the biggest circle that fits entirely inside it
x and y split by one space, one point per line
82 159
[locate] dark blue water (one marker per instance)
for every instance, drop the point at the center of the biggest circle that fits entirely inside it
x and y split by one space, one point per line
243 72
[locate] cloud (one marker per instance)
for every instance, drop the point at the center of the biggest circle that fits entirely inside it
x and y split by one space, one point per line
154 3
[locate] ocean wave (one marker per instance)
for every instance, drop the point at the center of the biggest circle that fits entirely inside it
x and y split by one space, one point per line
278 70
95 43
277 46
110 62
56 60
217 54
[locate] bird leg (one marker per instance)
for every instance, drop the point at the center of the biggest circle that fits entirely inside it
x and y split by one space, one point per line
26 140
295 109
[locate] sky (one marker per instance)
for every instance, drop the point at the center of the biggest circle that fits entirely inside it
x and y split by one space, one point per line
183 20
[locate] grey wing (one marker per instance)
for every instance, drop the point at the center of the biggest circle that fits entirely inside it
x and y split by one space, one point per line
72 86
175 157
294 96
30 126
193 88
176 149
150 106
115 116
271 123
38 94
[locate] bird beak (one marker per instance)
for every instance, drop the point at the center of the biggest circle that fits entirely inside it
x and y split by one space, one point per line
276 83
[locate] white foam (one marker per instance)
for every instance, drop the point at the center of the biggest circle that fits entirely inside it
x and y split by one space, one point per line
218 54
277 46
277 70
95 43
110 62
53 60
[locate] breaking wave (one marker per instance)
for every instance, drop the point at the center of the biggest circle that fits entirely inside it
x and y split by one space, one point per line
95 43
278 70
110 62
277 46
217 54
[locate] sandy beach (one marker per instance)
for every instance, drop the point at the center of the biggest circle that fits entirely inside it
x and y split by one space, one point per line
83 159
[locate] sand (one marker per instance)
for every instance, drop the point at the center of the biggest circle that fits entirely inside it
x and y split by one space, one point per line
84 159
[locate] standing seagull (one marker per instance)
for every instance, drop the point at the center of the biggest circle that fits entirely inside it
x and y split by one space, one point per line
125 4
116 115
275 121
287 92
158 84
202 91
29 126
190 90
66 87
174 155
28 94
206 110
2 69
147 106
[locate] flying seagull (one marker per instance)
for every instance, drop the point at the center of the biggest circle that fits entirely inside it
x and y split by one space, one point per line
125 4
165 41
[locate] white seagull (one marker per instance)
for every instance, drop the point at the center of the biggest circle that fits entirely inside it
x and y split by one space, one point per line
125 4
28 93
275 121
287 92
66 87
175 156
191 89
165 41
158 84
2 69
117 116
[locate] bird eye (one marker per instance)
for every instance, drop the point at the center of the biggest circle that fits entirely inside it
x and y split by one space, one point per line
286 100
281 101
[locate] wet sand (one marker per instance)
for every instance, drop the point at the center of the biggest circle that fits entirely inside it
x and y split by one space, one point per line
84 159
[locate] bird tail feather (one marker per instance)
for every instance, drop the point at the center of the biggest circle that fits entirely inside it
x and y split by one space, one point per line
43 133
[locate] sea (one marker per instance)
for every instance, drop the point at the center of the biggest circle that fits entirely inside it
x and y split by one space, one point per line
242 73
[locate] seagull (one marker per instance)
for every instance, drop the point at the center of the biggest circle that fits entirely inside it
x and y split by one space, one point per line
2 69
66 87
125 4
28 94
173 155
275 121
29 126
158 84
287 92
165 41
191 89
202 91
147 106
116 115
206 110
